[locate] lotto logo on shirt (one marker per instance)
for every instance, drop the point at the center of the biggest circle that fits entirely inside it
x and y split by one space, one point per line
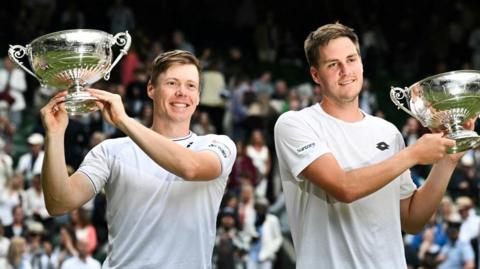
222 148
302 149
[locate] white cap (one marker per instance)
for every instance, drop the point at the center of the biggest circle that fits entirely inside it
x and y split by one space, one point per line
36 227
35 139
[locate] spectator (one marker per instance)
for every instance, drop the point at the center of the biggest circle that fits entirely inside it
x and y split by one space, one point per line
263 85
18 226
136 96
10 198
258 151
470 219
243 170
267 239
368 99
31 162
17 253
12 80
4 243
83 229
37 257
34 204
129 67
239 107
203 125
67 246
180 43
231 244
211 99
7 130
457 254
246 210
146 115
6 166
83 261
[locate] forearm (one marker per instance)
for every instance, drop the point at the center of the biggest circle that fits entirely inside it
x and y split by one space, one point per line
54 174
169 155
424 202
366 180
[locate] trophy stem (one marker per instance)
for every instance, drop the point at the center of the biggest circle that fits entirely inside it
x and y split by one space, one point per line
78 101
454 128
464 139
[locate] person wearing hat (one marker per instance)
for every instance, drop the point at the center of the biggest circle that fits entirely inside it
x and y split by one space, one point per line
31 162
470 219
35 236
456 254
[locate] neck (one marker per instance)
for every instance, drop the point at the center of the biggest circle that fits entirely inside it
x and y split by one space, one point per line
348 111
171 130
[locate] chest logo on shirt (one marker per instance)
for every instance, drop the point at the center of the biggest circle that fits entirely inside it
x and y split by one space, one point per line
302 149
382 146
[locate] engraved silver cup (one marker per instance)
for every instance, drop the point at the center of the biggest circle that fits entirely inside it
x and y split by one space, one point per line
444 102
72 59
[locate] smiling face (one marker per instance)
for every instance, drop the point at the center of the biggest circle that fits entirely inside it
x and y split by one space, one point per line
176 93
339 73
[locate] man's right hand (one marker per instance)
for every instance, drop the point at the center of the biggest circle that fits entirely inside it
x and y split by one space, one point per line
430 148
54 115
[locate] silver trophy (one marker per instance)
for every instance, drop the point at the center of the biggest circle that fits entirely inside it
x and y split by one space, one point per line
444 102
72 59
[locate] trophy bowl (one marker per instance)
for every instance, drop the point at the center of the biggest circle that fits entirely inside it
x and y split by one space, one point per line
72 60
444 102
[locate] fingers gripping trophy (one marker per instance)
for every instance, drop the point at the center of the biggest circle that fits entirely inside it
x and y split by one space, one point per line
444 102
72 59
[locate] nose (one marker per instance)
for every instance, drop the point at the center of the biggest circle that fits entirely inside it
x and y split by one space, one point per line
180 91
344 69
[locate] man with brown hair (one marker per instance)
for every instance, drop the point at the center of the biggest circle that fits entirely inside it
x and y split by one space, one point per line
163 184
345 173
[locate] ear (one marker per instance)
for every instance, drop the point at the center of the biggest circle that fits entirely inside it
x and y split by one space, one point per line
150 89
314 74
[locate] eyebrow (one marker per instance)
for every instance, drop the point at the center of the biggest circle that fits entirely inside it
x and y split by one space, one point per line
176 79
336 60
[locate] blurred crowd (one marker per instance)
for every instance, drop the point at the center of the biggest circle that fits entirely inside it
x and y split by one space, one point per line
247 82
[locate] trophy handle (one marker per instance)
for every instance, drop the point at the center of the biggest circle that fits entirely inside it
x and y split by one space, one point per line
396 94
121 39
16 52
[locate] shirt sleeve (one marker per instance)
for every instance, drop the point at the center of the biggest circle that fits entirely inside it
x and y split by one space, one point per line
96 166
407 187
223 147
297 144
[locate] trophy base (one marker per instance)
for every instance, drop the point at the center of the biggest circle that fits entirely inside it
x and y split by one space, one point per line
80 103
465 140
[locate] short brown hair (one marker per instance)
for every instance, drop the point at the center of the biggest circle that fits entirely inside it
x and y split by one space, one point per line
324 34
165 60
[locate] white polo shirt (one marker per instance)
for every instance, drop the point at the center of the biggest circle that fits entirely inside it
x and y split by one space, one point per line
155 218
328 233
